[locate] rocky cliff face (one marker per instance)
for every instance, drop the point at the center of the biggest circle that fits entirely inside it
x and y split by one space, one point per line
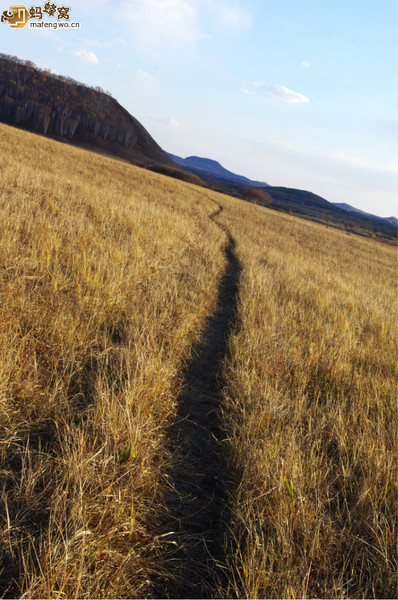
61 107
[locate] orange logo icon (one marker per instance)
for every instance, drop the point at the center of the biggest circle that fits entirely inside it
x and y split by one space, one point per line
17 16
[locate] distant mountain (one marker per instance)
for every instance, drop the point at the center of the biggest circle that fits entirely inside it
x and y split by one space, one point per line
310 206
64 109
212 168
349 208
296 202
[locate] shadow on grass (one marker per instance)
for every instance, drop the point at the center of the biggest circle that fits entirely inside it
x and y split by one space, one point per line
197 504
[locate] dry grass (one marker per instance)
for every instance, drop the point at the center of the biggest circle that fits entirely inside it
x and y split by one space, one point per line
107 273
311 406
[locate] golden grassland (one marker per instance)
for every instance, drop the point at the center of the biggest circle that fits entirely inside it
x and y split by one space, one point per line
311 407
107 274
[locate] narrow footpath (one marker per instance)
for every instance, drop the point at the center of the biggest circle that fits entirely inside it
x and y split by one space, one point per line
197 504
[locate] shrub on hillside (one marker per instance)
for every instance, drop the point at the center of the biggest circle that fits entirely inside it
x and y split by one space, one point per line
177 174
256 195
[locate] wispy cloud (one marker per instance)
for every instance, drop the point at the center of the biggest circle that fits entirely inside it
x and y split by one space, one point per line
230 15
159 21
362 163
277 91
305 63
335 161
86 56
286 95
176 22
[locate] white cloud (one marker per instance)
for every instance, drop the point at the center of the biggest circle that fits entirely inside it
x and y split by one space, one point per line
286 95
228 15
278 91
174 122
86 56
246 91
305 63
158 21
175 22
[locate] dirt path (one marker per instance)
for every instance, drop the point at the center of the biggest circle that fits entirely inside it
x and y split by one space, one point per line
197 505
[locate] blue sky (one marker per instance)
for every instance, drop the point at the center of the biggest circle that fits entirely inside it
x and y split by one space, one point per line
299 93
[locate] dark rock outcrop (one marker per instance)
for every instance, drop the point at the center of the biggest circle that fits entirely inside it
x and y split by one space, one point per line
60 107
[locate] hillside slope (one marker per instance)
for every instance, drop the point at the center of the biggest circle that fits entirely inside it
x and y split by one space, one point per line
60 107
197 394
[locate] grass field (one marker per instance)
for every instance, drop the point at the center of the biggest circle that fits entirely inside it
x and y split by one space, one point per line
311 407
113 285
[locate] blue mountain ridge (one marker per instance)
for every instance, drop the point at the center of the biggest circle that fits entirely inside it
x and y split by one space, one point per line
207 166
210 167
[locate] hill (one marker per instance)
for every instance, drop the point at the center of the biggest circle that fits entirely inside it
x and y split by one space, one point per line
308 205
212 168
64 109
197 394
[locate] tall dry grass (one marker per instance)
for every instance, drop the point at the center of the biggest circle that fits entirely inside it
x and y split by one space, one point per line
106 274
311 412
